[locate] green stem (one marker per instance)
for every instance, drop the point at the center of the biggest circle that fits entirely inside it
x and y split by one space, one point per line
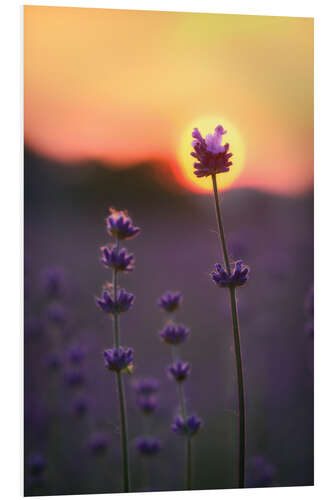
181 400
123 420
240 381
220 224
115 316
189 463
121 394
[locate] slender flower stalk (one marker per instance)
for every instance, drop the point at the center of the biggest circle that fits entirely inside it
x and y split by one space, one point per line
114 301
214 158
174 335
148 446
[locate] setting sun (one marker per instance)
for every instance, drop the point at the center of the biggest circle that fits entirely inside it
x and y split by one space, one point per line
207 125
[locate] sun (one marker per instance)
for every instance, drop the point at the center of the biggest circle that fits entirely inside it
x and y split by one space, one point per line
207 124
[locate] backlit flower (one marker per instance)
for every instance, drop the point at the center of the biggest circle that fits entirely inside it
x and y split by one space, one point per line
213 157
120 225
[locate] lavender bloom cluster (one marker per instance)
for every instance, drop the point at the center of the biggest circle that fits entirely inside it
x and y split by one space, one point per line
179 370
118 359
174 334
190 426
170 301
213 158
237 277
120 226
117 259
148 446
146 401
122 303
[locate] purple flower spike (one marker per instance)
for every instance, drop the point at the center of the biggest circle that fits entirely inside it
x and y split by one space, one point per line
147 404
98 443
53 361
174 334
53 282
57 314
170 301
74 378
191 427
238 277
76 353
179 371
36 465
120 225
212 155
118 359
80 406
146 386
148 446
123 303
117 259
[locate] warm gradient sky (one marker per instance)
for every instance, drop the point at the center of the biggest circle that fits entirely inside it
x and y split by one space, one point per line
127 86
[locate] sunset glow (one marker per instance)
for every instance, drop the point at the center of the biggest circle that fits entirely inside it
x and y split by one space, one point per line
207 125
125 87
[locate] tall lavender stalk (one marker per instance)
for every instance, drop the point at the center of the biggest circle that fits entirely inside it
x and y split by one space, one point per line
174 335
115 302
213 158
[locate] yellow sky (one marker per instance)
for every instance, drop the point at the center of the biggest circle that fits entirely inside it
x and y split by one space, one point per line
123 86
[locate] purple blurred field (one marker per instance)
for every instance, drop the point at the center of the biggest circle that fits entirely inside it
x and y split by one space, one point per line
65 210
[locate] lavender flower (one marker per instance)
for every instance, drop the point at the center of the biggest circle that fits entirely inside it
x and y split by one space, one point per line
81 406
179 371
174 334
98 443
120 225
147 404
170 301
118 359
76 353
190 427
53 361
146 386
262 472
238 276
123 303
148 446
57 314
213 158
36 465
117 259
74 378
53 280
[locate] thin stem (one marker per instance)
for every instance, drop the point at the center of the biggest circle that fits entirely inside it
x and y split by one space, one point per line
240 381
189 463
181 400
115 316
241 398
220 224
121 394
123 420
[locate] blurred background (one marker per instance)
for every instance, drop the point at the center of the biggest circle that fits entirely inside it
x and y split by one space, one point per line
111 98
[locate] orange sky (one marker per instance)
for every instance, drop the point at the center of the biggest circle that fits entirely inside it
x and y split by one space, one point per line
124 86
